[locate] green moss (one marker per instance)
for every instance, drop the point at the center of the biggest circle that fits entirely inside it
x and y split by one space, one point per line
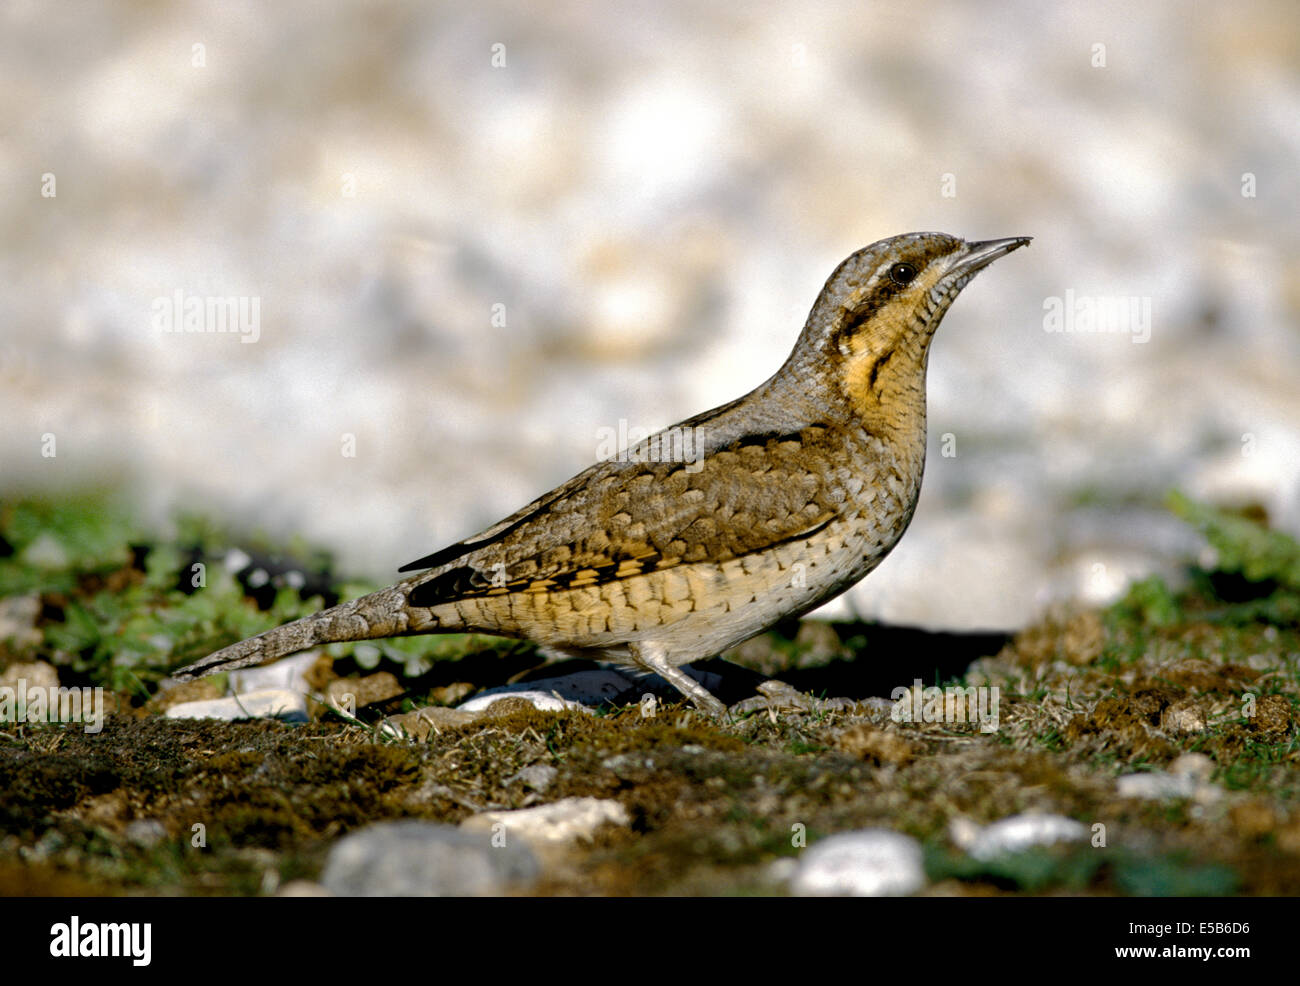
1243 546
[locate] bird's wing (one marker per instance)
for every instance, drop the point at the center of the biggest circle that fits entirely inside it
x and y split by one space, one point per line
621 518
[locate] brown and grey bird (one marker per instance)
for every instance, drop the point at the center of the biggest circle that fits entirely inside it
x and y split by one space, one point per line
713 530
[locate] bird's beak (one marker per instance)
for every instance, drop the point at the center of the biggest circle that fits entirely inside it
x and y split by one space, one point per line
980 255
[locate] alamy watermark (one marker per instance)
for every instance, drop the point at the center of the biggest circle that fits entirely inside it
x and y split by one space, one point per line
51 703
1101 313
179 312
631 444
976 704
105 940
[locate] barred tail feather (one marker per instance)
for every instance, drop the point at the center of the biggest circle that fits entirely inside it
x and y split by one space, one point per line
380 614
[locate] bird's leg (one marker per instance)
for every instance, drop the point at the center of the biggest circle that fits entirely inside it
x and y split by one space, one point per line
651 657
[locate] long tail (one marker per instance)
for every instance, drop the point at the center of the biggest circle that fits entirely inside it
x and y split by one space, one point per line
380 614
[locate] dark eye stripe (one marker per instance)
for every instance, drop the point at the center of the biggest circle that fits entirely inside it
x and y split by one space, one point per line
885 288
863 311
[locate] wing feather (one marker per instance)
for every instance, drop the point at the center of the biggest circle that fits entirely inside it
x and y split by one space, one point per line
619 519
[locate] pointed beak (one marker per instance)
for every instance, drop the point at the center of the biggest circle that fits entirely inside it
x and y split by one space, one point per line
980 255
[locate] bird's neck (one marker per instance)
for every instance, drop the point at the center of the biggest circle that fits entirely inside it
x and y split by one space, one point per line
886 393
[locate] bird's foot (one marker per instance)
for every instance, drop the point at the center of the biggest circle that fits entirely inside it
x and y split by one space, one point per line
777 696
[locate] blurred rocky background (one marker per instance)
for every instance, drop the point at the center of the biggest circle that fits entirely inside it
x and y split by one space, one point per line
479 236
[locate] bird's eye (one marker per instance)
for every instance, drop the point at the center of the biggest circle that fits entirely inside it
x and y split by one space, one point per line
902 273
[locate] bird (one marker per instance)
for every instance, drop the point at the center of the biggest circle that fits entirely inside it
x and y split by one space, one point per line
712 530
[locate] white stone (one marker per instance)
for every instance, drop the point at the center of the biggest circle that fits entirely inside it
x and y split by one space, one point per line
1020 832
288 673
537 776
275 703
1156 784
1188 777
554 824
18 619
45 552
420 859
865 863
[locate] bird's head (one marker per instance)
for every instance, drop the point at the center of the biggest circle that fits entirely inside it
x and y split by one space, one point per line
873 321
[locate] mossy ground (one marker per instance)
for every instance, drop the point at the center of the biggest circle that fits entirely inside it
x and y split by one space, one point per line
1086 696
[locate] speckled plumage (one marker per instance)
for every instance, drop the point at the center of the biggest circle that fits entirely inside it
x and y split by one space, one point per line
771 505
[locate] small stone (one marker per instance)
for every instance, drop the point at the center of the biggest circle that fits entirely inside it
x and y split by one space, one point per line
1187 777
350 694
1197 766
876 705
289 673
35 675
538 777
271 704
963 832
18 620
45 552
420 859
146 832
555 824
1020 832
1185 716
1156 785
865 863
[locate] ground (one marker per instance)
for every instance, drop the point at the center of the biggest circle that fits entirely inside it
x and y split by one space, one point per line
1206 669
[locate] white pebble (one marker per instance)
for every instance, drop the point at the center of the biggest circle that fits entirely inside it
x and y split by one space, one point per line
412 858
866 863
555 824
276 703
1020 832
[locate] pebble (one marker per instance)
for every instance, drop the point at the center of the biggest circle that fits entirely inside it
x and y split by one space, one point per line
276 703
146 831
37 674
538 777
1187 777
288 673
421 859
1154 785
865 863
45 552
555 824
1017 833
18 620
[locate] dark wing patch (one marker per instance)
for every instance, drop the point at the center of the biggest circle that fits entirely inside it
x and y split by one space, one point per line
466 582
